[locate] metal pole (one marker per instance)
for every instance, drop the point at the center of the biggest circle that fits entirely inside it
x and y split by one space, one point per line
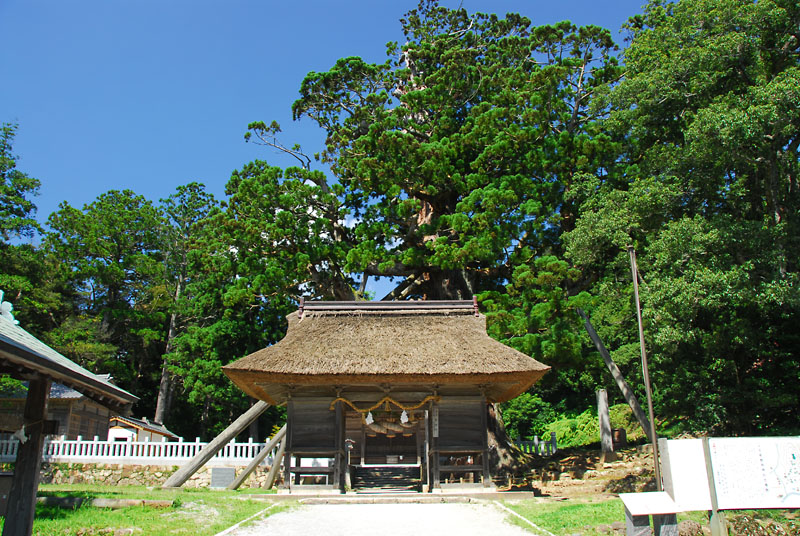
645 372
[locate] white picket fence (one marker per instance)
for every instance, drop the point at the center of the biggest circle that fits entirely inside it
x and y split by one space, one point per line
136 452
539 447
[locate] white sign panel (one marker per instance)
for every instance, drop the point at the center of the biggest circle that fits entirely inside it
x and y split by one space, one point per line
756 472
684 472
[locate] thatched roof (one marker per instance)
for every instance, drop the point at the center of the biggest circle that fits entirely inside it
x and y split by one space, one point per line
409 343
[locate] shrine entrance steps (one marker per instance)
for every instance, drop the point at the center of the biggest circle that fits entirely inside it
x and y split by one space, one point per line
386 479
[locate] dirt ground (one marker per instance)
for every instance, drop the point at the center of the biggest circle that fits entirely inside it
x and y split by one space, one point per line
579 473
470 519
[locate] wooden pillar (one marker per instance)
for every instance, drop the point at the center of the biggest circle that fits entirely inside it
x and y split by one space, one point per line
418 439
180 476
426 460
287 469
22 496
363 443
435 476
339 460
606 442
487 475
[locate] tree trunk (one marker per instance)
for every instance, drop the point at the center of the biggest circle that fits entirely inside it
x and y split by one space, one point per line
504 456
165 388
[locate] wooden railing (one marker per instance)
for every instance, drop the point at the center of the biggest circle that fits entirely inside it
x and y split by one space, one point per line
539 447
135 452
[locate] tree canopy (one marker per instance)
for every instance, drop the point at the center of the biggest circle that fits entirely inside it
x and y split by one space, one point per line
485 157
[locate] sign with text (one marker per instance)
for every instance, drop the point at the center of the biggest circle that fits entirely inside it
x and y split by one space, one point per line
756 472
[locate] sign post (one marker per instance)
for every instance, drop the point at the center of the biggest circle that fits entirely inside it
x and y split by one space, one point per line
717 521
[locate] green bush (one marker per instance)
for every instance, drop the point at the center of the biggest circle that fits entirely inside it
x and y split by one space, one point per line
577 430
622 417
526 416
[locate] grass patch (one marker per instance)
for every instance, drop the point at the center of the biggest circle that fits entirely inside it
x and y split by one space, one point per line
578 516
196 512
568 517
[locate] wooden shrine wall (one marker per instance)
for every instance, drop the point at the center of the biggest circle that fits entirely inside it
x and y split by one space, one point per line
311 425
462 423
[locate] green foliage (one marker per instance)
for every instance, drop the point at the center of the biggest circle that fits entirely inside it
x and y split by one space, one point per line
233 301
576 431
527 416
486 157
110 255
16 188
706 191
448 163
27 277
11 386
621 416
535 313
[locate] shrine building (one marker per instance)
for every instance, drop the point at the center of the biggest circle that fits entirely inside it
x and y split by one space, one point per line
383 392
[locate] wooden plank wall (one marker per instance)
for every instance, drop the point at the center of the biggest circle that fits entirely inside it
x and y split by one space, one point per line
312 425
461 424
314 430
461 432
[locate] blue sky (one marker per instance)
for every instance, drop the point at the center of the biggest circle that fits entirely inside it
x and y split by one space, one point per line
151 94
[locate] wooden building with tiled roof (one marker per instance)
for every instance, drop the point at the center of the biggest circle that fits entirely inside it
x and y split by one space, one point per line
74 414
26 358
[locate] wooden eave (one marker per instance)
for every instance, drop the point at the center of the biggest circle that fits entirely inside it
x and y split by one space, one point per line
24 364
500 387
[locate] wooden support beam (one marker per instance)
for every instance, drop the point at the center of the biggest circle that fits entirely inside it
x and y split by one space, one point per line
276 465
239 480
183 474
22 496
627 392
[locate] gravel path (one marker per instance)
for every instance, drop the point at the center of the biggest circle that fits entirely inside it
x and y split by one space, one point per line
387 520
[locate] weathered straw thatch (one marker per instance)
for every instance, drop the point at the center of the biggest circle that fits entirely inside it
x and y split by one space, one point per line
444 346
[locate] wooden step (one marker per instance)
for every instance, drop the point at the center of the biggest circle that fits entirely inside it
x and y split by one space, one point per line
386 479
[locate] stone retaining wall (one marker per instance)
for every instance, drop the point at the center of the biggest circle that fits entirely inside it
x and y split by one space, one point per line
107 474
